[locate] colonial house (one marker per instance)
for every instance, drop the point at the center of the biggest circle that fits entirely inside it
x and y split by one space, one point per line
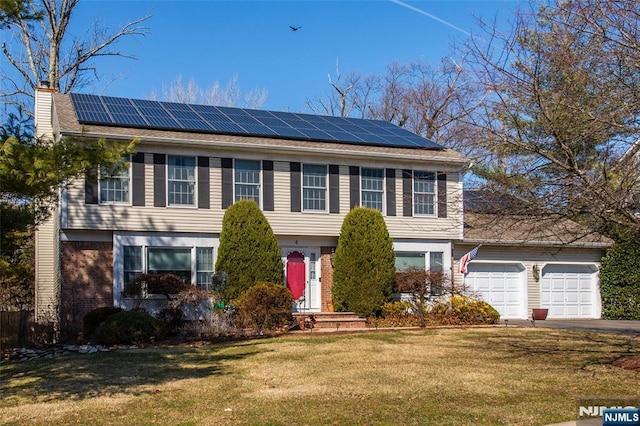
164 213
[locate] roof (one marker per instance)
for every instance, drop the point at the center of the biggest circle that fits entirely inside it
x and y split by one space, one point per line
486 228
72 122
124 112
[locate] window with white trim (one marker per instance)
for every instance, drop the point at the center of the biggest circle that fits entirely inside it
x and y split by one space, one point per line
372 188
424 193
192 264
432 261
204 267
247 180
170 260
181 180
314 188
132 262
115 184
410 260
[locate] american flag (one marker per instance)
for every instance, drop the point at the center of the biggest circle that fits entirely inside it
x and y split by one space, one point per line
464 260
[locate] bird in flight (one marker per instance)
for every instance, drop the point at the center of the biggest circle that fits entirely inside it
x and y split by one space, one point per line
295 28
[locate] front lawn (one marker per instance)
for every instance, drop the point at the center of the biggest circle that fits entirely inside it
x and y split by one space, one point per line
510 376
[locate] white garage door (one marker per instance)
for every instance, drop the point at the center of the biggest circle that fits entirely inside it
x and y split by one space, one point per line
500 285
569 291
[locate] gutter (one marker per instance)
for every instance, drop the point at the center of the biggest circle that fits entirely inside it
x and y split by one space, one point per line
602 245
252 146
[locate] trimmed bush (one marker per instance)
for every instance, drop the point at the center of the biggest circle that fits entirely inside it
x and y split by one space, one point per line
620 281
363 264
166 284
248 251
397 314
129 327
461 310
266 306
97 316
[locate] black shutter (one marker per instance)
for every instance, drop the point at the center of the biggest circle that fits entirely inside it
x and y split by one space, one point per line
227 182
204 189
407 193
391 191
354 186
137 179
267 186
91 186
159 180
296 190
442 194
334 188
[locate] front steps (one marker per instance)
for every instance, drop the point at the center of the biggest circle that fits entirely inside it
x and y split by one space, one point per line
335 321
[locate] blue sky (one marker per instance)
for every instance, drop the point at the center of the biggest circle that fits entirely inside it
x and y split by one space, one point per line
213 40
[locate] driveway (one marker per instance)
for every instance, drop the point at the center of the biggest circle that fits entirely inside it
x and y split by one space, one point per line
606 326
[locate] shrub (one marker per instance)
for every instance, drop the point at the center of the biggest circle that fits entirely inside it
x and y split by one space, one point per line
266 306
166 284
363 264
173 316
397 314
463 310
620 281
248 251
129 327
97 316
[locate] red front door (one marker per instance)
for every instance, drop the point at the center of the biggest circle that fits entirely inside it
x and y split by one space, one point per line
296 274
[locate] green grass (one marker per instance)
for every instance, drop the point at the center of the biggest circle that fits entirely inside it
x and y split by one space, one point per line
483 376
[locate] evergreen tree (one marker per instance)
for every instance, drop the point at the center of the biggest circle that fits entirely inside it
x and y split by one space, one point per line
620 281
249 250
364 263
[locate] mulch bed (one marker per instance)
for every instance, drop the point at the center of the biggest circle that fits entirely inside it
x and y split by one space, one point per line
628 362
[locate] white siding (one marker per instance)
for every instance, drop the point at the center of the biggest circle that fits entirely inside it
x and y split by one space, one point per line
47 270
42 113
528 256
282 220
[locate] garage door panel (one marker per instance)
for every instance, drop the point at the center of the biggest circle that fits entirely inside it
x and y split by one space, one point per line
500 285
567 290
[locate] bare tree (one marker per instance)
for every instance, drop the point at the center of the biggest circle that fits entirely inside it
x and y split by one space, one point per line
433 102
216 94
43 50
564 107
349 97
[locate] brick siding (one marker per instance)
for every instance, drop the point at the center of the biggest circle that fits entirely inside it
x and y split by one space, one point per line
86 282
326 272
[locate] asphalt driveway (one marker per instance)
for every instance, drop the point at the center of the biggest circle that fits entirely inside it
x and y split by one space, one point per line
607 326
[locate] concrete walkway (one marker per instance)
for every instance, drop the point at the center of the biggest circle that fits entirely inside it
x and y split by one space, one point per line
607 326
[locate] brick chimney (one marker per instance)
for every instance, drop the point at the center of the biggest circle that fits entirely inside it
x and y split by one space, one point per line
43 111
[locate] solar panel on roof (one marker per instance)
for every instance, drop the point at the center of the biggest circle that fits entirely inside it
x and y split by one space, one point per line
225 127
244 119
128 119
237 121
259 130
196 125
317 134
273 121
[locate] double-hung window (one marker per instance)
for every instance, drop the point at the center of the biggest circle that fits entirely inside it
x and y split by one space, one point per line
424 193
314 188
181 180
115 184
247 180
372 184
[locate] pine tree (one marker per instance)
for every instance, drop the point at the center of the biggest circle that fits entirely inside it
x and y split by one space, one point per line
249 250
363 264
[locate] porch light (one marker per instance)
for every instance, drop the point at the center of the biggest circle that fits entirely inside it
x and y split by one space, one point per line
536 273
